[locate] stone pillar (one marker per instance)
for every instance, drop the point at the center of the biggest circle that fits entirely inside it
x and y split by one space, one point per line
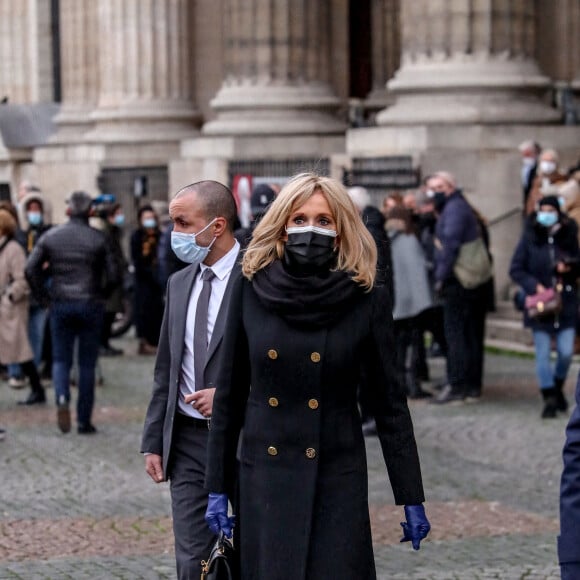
277 70
468 61
145 85
25 51
386 45
79 57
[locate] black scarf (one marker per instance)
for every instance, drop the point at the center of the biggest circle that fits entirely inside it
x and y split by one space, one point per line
306 301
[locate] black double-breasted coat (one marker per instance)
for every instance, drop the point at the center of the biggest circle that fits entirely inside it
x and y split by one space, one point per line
303 499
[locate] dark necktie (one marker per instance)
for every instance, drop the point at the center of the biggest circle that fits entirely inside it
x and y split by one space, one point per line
200 328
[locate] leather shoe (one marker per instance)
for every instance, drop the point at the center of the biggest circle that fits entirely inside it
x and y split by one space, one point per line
35 398
87 429
448 395
63 417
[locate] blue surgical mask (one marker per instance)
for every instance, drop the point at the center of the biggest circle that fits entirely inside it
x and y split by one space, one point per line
34 218
547 218
149 223
119 220
186 247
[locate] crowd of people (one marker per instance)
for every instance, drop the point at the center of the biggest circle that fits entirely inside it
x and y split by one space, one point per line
327 306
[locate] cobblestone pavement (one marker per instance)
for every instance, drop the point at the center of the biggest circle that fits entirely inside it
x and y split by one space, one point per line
74 507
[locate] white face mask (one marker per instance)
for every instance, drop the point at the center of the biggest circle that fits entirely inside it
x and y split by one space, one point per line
187 249
547 167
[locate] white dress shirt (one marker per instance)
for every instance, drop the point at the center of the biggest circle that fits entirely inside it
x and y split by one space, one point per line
222 270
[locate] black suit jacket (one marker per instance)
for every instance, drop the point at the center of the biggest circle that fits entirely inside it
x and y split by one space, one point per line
158 429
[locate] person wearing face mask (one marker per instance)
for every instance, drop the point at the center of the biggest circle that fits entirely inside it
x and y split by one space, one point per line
113 219
547 256
529 151
548 180
35 213
148 290
189 355
464 309
305 322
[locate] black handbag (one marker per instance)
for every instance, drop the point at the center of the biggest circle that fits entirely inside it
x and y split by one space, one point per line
222 561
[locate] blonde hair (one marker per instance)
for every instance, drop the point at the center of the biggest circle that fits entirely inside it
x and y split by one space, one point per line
357 251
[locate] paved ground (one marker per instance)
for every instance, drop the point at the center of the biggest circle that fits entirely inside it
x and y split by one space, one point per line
82 507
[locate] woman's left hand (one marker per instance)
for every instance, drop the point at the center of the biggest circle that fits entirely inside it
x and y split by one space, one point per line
417 525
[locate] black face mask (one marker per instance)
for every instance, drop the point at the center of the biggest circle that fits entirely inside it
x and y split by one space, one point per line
308 251
439 201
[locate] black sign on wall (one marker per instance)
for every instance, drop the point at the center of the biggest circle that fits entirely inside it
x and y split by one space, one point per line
382 175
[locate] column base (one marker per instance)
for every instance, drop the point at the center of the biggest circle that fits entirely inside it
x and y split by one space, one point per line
275 110
475 89
486 107
143 122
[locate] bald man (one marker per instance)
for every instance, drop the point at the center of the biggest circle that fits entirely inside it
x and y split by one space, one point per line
177 422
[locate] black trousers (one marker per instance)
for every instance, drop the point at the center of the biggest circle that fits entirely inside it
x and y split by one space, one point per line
464 313
408 336
193 538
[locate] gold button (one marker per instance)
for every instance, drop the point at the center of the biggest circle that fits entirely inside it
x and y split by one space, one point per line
313 404
311 453
272 451
273 354
273 402
315 357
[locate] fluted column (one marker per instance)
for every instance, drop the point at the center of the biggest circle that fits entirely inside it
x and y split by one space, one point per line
277 70
386 47
468 61
79 58
25 51
145 84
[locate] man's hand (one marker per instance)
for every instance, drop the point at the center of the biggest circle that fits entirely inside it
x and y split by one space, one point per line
201 401
154 467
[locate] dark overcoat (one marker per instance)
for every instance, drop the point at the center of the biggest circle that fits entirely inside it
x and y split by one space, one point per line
303 499
569 538
534 262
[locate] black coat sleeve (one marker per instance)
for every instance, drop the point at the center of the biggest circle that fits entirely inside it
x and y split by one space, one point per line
389 401
229 404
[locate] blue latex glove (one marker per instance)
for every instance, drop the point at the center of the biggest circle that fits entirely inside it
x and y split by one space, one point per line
216 514
417 525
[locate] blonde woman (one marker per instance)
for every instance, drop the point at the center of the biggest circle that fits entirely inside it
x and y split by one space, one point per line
305 322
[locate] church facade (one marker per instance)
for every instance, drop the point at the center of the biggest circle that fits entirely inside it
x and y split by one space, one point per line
141 97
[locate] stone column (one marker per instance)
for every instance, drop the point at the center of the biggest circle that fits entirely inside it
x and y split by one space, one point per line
145 85
79 58
468 61
277 70
25 51
386 45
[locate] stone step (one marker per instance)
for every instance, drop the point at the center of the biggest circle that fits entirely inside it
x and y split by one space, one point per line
506 309
508 346
508 330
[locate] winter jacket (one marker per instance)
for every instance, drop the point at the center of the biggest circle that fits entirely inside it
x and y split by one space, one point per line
456 226
80 264
534 262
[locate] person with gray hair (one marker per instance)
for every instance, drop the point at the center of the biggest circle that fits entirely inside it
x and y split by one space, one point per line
83 271
529 151
464 308
548 179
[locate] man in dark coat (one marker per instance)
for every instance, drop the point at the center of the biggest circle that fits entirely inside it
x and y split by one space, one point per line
82 271
177 421
463 309
374 221
569 539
